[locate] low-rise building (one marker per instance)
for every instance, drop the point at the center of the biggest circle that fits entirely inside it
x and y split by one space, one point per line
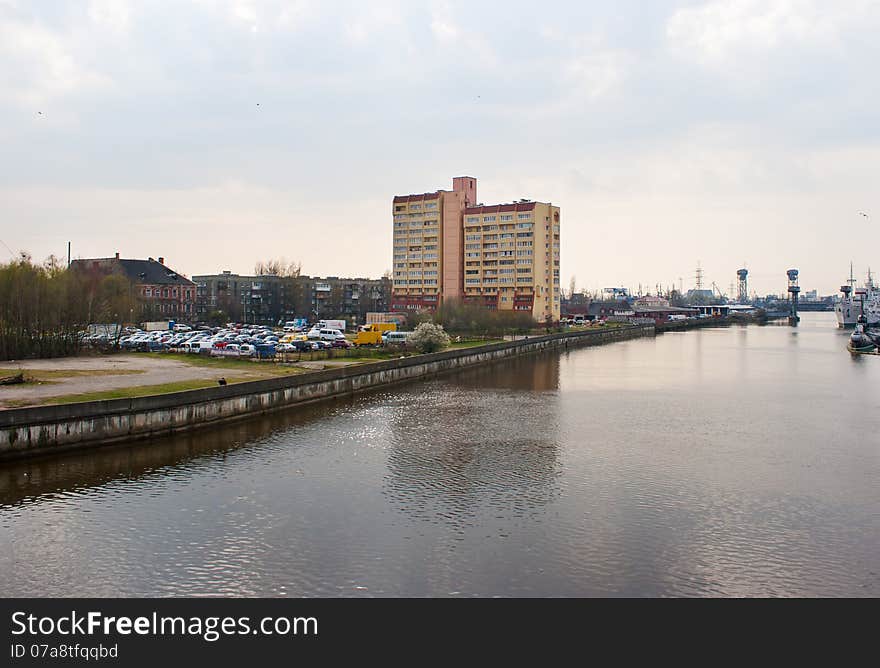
162 292
270 299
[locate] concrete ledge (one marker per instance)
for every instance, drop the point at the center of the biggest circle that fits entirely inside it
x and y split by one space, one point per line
48 429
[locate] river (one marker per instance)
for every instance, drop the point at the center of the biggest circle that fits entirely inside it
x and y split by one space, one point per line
738 461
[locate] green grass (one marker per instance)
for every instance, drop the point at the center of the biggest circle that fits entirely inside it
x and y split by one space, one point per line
473 344
260 368
52 375
126 392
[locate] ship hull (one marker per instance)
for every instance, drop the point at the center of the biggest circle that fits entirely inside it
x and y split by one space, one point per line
848 312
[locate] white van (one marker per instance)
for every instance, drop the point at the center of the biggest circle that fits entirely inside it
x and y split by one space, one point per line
398 338
330 335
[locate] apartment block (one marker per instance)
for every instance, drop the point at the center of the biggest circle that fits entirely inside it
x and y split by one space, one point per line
428 245
269 299
502 256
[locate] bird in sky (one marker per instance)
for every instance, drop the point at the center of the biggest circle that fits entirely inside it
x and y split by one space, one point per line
39 113
862 213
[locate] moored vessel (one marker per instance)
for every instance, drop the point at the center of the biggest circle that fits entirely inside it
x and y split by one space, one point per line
855 302
863 339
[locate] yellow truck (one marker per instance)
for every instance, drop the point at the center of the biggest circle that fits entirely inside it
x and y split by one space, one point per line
371 335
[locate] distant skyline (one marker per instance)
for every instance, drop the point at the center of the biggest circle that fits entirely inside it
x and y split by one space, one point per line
218 133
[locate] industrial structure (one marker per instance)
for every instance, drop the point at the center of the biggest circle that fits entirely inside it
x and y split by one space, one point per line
501 256
793 290
742 276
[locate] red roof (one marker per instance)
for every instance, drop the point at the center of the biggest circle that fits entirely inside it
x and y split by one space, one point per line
416 198
496 208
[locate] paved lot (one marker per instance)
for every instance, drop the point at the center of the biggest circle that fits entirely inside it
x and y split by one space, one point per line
77 375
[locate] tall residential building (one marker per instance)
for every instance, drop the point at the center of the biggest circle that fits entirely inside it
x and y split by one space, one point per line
428 245
503 256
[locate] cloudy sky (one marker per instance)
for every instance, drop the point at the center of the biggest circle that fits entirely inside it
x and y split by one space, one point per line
220 132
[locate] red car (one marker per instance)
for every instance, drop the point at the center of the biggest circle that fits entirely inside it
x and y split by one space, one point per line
341 343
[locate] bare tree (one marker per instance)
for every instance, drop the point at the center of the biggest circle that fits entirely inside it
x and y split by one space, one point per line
280 267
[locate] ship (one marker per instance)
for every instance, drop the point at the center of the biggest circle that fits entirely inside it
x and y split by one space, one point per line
864 339
855 302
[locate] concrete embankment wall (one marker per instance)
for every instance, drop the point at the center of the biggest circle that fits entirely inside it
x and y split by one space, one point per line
47 429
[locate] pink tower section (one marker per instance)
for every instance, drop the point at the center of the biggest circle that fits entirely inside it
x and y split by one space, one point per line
464 194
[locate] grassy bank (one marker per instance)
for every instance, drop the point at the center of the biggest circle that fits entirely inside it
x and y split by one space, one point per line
127 392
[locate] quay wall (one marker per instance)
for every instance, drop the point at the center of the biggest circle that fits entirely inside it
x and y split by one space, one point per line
46 430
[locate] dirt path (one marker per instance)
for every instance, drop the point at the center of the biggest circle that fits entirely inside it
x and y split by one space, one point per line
96 374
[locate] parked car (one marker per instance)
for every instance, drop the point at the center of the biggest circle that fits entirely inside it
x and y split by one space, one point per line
341 343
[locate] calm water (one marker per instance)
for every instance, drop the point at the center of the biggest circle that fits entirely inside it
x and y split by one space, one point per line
723 462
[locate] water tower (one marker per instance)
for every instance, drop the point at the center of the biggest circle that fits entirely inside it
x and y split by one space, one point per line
793 290
743 293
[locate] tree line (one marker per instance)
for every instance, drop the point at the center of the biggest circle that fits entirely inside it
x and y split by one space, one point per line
461 317
45 308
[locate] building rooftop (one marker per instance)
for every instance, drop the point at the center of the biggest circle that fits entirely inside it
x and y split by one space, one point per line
147 271
500 208
660 309
399 199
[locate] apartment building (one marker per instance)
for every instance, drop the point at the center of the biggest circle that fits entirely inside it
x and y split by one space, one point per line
428 245
503 256
162 292
268 299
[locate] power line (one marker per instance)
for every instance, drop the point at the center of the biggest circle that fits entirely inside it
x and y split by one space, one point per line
14 256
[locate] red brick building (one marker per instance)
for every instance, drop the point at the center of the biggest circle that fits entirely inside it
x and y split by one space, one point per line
164 293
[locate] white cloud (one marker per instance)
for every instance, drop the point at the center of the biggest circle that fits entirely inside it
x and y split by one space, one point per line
40 64
443 25
113 16
722 31
597 72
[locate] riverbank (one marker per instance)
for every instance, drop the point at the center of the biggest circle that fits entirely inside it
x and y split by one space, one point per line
55 428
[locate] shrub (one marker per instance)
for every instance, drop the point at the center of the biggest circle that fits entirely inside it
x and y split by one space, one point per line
428 338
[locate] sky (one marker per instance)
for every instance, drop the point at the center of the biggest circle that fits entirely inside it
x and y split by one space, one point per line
218 133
